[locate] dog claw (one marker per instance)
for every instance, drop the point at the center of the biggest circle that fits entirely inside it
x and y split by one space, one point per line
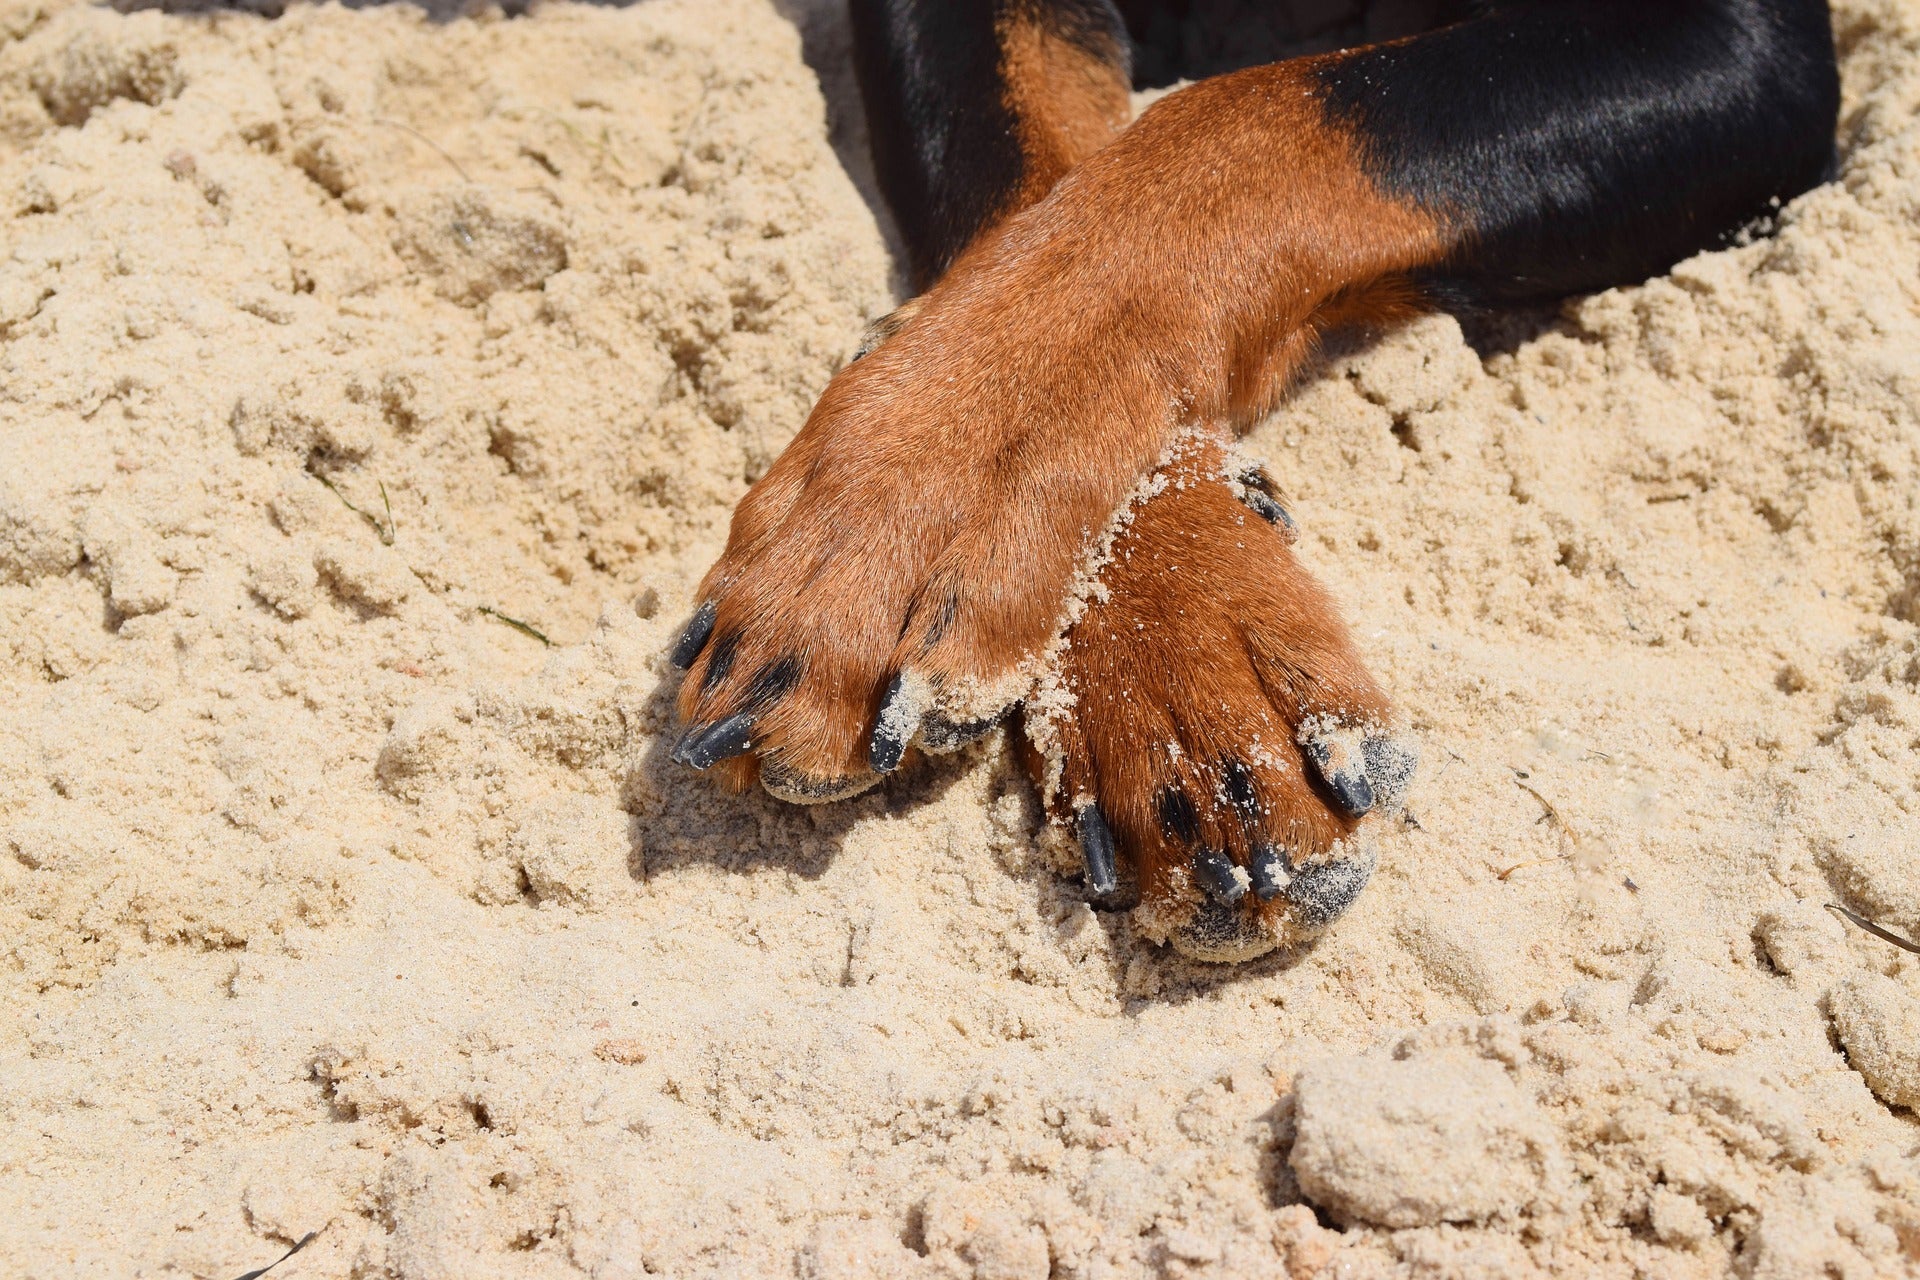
1350 787
1256 490
1268 872
893 729
1096 843
885 327
1219 877
1269 510
938 733
706 745
694 638
1353 791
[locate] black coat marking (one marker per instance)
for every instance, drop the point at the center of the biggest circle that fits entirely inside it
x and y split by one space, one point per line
1584 145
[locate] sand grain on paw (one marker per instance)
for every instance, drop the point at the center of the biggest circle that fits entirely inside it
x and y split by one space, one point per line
374 390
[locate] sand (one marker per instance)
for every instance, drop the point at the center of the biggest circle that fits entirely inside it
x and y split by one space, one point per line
332 901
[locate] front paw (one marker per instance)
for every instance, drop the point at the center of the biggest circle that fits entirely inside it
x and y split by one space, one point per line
1211 739
892 580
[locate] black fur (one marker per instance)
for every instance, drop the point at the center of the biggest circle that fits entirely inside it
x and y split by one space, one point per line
1193 39
1580 143
944 146
1587 144
1179 821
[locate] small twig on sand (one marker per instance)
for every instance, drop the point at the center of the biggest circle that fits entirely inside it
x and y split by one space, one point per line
1559 820
1522 866
298 1245
515 623
395 124
1874 929
385 532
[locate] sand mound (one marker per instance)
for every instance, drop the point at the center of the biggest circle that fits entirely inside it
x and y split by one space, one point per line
332 900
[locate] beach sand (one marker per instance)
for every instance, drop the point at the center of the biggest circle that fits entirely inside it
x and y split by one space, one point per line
347 359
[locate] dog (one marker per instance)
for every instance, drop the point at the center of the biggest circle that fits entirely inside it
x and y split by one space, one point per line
1022 493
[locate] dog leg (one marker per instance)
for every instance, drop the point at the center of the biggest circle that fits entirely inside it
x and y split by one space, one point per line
901 568
977 107
1211 738
907 558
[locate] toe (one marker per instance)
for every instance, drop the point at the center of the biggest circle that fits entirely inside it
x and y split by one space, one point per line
1218 933
1390 761
1337 755
1363 768
1342 772
1320 892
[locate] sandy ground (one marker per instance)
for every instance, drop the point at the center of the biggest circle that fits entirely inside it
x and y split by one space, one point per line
332 902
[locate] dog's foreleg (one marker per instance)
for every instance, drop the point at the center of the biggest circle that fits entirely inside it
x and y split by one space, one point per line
977 107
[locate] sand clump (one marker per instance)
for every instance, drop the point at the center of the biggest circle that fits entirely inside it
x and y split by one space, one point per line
330 901
1419 1143
1878 1020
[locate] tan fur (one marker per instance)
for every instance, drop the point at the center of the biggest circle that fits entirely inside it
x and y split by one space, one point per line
1066 103
1210 640
931 511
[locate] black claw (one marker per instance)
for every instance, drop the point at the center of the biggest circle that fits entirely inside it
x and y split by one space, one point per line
1350 787
694 638
1353 791
1258 495
1215 872
937 733
679 753
1096 842
1269 510
1266 869
890 734
879 331
706 745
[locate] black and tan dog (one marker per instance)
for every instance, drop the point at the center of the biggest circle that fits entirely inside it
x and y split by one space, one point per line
1094 290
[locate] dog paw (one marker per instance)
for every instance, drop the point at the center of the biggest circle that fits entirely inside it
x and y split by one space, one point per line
892 580
1210 739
